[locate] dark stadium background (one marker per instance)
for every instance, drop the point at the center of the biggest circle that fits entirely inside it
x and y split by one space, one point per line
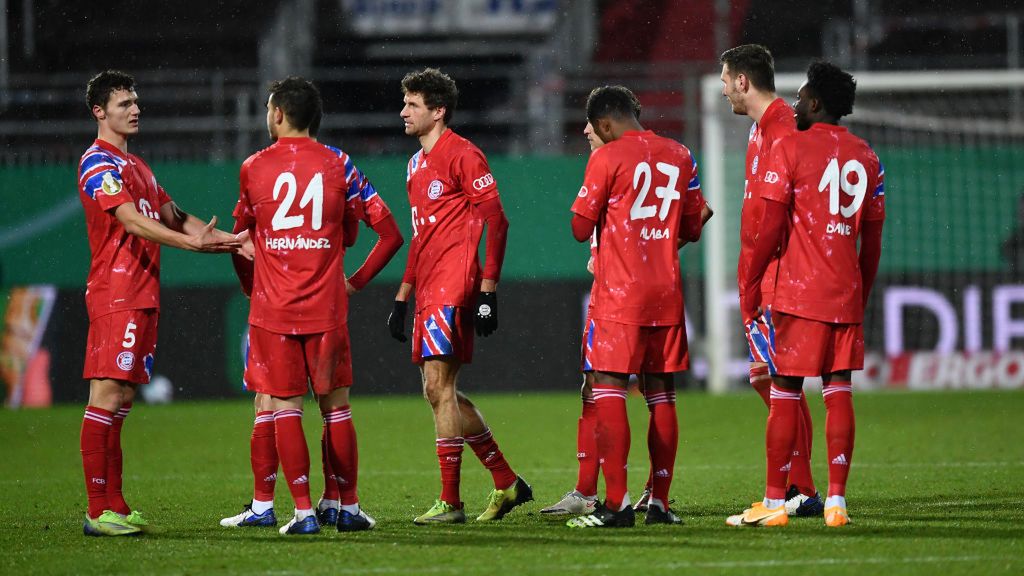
524 71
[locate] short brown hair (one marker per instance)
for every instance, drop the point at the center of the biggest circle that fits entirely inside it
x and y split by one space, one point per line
437 88
102 85
300 101
753 61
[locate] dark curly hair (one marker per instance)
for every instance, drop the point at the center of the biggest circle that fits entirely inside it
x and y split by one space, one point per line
753 61
299 99
836 89
612 101
102 85
437 88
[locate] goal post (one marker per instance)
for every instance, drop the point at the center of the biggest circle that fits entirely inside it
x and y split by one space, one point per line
952 143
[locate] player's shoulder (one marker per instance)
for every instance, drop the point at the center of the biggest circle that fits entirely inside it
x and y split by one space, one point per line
97 160
335 150
97 154
259 154
780 128
459 145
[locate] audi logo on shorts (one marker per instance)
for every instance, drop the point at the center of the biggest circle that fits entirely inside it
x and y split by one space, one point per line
771 177
483 181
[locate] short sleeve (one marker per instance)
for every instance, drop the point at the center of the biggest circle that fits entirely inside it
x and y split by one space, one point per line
162 196
876 204
361 191
474 176
777 182
694 199
592 199
375 210
100 179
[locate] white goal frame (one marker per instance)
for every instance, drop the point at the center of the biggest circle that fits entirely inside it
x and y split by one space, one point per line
720 271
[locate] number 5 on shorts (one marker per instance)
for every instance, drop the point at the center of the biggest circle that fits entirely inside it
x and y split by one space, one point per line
129 335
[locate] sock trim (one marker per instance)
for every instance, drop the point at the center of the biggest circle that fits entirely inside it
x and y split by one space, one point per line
778 393
337 415
288 413
836 389
93 414
661 398
479 438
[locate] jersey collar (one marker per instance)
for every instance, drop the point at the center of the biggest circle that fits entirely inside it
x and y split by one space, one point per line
776 110
110 148
637 133
441 140
824 126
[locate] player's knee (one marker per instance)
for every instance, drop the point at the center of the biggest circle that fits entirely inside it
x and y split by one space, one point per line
107 394
437 393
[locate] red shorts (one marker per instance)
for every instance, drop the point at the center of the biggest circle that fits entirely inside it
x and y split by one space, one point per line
628 349
806 347
122 345
442 331
286 365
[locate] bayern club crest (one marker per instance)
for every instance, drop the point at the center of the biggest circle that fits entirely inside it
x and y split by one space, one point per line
126 360
435 190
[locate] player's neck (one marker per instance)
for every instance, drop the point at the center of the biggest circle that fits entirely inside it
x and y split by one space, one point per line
119 141
759 104
428 140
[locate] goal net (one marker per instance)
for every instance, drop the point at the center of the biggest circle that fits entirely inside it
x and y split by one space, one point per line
947 310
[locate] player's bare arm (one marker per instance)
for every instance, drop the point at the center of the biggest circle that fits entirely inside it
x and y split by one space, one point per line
180 221
205 239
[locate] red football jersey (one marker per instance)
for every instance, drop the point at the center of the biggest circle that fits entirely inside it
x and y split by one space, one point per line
831 180
360 194
776 123
637 189
124 273
443 187
292 199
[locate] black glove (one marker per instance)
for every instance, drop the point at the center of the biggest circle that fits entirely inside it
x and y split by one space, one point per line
486 313
396 321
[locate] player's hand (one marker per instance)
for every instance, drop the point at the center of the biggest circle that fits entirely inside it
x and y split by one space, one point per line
349 288
210 239
396 320
247 250
486 313
590 265
750 304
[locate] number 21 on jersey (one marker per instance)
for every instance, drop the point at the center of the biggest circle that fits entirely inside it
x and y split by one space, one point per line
314 194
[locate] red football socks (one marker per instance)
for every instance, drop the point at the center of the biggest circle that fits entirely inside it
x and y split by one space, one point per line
331 491
343 454
612 442
662 441
486 449
96 426
294 455
839 432
761 382
449 458
115 462
263 456
586 449
800 474
780 438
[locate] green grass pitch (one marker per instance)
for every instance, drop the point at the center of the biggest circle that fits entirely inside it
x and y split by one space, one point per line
937 487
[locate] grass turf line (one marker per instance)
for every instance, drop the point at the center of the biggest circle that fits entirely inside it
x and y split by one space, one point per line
937 485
